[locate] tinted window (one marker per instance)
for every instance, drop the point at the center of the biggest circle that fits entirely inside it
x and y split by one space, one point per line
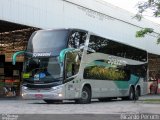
103 70
72 63
73 59
43 69
48 41
106 46
77 39
138 70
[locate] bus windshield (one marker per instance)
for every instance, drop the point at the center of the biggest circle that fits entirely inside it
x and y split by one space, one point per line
42 69
52 41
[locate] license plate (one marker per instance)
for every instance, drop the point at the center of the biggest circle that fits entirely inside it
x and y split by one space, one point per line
39 96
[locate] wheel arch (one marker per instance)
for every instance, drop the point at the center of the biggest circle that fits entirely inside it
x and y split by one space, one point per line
86 90
87 85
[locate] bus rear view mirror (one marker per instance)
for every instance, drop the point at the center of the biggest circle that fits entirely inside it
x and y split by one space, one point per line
15 55
63 53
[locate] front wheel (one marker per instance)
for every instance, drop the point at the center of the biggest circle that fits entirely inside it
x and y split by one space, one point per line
85 96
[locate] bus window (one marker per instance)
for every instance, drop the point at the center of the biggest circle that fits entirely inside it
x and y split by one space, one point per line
96 44
102 70
127 75
72 64
107 46
77 39
73 59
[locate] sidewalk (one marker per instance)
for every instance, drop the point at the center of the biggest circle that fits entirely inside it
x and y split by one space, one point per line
150 96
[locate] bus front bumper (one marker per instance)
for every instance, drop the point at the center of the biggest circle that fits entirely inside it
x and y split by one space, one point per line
55 94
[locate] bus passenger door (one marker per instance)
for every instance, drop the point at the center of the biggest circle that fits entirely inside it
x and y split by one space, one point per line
142 72
144 86
72 63
71 70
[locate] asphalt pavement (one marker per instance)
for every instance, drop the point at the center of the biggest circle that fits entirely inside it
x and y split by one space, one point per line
15 108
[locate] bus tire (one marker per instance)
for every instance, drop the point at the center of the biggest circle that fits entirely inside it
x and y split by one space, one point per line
137 93
53 101
131 94
85 96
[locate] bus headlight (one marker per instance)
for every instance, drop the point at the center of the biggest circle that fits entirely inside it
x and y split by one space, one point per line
23 94
24 87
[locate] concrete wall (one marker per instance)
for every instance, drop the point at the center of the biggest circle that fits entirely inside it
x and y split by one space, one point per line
36 13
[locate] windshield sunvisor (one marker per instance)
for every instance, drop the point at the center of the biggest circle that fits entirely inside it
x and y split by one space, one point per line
15 55
63 53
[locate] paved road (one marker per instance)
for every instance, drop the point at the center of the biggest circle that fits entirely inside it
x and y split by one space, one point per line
115 109
111 107
60 117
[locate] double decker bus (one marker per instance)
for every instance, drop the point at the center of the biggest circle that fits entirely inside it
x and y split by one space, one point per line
74 64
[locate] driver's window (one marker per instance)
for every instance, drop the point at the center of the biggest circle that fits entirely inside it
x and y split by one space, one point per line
73 58
72 64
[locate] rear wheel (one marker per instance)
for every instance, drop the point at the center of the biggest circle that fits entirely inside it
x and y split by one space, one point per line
131 94
137 93
85 96
53 101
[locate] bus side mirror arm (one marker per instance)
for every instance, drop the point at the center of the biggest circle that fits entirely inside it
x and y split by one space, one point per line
63 53
15 55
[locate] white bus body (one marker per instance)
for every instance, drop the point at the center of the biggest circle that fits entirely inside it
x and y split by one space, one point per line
75 64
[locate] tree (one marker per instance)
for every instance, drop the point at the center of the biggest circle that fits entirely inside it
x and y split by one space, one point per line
152 5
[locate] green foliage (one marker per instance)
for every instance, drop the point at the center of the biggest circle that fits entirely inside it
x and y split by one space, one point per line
154 6
143 32
102 73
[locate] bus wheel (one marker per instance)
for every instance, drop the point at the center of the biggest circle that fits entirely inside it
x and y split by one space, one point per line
137 93
131 94
85 96
53 101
